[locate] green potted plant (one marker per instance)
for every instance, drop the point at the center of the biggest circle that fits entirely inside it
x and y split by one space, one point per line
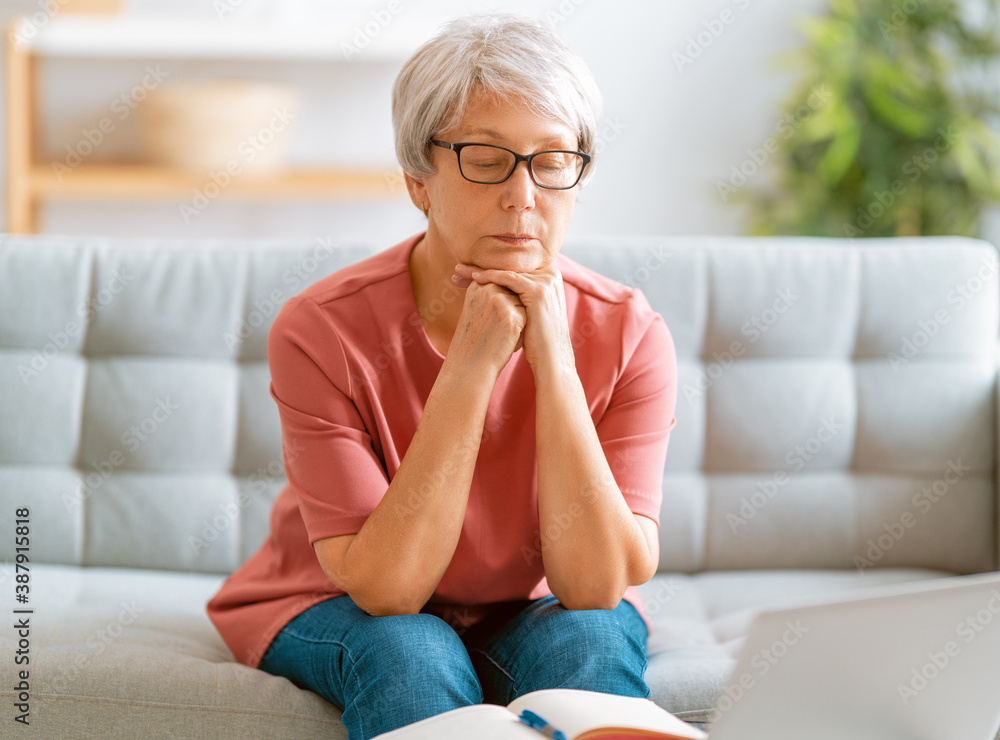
890 134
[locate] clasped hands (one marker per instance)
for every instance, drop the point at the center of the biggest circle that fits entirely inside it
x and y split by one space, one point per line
545 337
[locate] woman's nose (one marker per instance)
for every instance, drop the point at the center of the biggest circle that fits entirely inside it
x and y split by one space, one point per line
519 189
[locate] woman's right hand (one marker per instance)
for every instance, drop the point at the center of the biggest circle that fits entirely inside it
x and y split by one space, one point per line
490 328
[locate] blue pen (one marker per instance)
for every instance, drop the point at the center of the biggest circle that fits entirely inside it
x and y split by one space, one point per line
534 721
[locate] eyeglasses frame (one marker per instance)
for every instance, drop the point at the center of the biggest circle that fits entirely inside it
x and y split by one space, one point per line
518 158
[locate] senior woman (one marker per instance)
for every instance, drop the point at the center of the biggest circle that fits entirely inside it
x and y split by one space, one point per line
474 426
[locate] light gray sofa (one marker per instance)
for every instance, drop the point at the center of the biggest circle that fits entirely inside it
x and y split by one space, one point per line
836 430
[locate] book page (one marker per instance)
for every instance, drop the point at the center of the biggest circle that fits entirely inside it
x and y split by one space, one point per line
481 721
577 712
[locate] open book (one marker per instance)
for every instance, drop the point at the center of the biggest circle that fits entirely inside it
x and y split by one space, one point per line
580 715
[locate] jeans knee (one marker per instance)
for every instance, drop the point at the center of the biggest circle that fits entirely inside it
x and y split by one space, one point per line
420 654
597 633
590 649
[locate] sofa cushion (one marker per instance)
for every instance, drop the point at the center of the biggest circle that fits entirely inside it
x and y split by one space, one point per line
121 649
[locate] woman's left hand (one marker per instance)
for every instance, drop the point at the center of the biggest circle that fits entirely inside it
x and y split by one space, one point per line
545 339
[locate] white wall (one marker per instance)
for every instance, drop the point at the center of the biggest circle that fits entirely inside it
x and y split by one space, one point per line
671 133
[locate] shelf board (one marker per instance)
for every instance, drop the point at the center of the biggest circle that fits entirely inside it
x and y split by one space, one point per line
95 182
169 36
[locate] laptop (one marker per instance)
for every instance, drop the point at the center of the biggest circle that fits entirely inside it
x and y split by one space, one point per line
917 661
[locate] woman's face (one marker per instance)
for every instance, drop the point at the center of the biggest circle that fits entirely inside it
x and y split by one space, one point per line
513 225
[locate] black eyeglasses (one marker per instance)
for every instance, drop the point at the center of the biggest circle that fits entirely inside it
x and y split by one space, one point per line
487 164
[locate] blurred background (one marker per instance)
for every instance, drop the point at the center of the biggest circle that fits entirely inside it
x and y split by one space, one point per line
830 117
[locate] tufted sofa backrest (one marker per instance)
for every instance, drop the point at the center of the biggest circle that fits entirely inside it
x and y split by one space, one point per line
836 404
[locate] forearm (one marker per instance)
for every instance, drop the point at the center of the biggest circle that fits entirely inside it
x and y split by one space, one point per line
591 543
405 546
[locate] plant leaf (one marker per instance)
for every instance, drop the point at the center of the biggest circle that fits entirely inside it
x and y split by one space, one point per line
843 149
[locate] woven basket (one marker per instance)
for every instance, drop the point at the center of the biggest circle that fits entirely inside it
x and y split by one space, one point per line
211 125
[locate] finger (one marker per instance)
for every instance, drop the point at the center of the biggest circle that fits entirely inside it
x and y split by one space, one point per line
461 282
515 298
473 272
515 281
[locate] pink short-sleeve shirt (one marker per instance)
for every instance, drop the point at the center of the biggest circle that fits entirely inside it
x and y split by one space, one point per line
351 368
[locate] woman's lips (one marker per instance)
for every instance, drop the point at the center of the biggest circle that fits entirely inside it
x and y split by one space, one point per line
519 239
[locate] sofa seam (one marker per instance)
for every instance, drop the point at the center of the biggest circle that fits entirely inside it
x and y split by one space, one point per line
215 689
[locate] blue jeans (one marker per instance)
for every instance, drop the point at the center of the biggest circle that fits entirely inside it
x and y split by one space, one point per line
386 672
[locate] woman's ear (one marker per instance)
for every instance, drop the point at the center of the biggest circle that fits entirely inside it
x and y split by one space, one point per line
417 191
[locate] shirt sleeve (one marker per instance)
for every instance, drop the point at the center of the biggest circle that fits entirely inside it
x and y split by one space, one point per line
635 429
329 460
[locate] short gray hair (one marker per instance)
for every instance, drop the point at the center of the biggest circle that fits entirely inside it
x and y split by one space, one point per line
507 56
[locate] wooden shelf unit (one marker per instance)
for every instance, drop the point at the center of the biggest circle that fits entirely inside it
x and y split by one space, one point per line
29 183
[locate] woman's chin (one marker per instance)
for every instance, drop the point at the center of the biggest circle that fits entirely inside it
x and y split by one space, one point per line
513 262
